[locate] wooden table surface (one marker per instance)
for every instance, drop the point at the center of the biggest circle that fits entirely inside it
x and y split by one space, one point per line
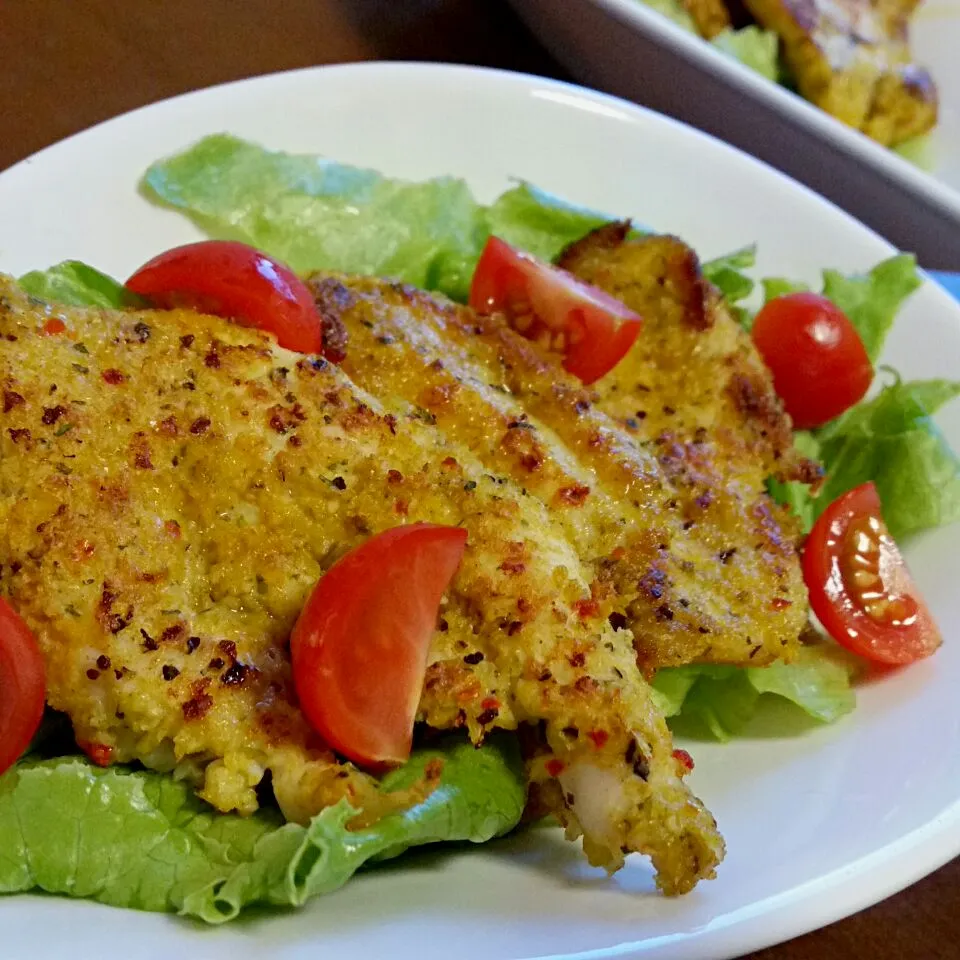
67 65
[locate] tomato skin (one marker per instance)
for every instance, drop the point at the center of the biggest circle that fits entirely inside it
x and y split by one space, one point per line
819 365
235 281
546 303
360 646
850 537
22 686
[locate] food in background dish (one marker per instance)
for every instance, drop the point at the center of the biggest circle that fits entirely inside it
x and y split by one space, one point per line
850 58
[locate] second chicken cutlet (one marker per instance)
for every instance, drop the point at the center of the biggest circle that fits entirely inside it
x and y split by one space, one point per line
657 475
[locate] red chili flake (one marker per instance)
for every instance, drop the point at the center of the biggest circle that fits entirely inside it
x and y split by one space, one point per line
186 341
488 716
394 476
587 608
168 426
83 551
199 426
17 435
523 604
515 627
11 400
173 632
229 648
599 737
197 707
780 603
113 376
391 421
578 660
401 507
192 644
52 414
490 703
573 495
294 441
172 529
683 758
170 672
555 767
103 662
449 462
99 753
513 566
93 674
212 359
52 327
473 658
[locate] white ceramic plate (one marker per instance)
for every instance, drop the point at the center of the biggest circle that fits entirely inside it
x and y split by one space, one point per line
629 49
818 825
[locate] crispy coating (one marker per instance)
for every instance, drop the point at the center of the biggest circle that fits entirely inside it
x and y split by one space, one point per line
852 58
171 488
684 547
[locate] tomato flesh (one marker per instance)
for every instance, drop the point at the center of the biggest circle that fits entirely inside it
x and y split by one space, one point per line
819 365
22 686
590 328
360 646
860 587
236 281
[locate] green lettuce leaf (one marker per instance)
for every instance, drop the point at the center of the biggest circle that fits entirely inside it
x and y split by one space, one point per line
872 300
143 840
892 440
720 701
755 48
315 214
797 496
537 221
77 285
726 273
673 10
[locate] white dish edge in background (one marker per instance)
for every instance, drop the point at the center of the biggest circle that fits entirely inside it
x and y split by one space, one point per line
629 49
818 826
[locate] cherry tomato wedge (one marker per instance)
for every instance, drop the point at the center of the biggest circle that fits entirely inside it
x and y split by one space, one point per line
859 585
233 280
819 365
22 686
593 330
360 646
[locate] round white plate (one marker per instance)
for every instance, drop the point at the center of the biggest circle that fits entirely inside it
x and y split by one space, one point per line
818 825
627 48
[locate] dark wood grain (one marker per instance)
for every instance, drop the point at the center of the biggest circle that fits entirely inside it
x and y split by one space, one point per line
67 64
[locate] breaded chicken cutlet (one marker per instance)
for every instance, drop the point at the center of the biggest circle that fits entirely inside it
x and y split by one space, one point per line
171 488
656 473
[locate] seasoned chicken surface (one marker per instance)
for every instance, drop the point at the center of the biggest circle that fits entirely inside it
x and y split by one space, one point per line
852 59
657 476
172 486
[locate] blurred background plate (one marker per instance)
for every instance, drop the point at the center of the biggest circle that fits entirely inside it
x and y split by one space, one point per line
626 48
